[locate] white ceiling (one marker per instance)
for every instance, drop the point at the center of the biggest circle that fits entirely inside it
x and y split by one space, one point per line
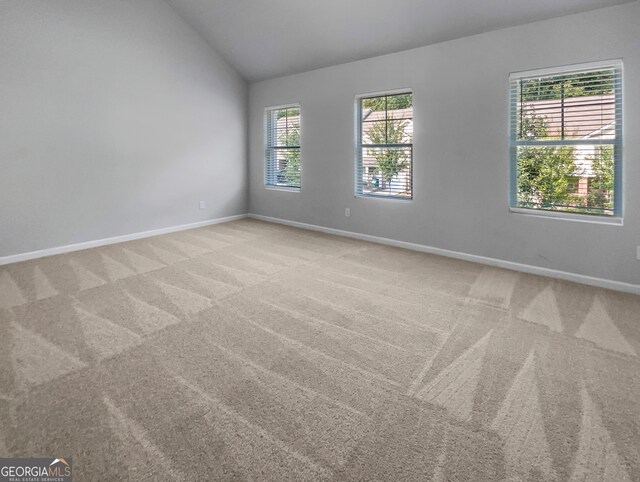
270 38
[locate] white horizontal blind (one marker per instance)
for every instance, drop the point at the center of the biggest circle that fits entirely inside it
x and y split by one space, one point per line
282 147
566 139
384 150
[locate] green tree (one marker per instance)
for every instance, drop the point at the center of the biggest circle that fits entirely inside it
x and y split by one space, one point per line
289 112
291 172
601 185
543 171
388 102
570 85
389 160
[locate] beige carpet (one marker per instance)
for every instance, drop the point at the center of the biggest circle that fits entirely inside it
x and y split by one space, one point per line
253 351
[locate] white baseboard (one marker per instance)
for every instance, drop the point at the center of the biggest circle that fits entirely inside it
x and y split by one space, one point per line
499 263
15 258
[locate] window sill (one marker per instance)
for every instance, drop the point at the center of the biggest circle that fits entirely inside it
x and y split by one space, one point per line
282 188
390 198
582 218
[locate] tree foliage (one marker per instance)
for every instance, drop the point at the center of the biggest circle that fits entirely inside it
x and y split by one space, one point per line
289 112
543 171
388 102
565 86
601 190
290 175
389 160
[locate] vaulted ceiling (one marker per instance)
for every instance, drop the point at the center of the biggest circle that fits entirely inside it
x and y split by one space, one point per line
270 38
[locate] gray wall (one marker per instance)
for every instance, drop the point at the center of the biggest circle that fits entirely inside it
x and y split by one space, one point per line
115 118
461 166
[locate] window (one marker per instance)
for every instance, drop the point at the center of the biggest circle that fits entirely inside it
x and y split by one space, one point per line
573 184
282 147
384 152
566 139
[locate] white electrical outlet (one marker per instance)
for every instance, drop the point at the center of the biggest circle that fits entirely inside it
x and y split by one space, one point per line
201 204
347 213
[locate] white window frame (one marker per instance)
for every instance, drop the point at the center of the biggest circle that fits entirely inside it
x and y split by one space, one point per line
358 146
268 150
617 217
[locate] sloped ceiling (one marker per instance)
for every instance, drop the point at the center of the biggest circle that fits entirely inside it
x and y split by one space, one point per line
270 38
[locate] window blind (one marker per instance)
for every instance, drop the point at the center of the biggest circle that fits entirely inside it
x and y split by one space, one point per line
566 139
384 147
282 147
